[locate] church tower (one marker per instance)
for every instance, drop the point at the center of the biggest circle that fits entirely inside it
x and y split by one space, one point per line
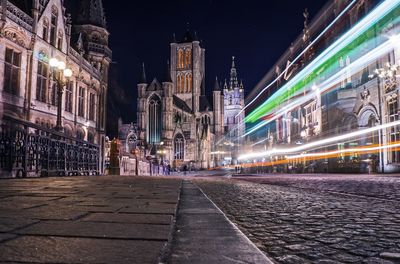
187 69
92 42
93 35
234 103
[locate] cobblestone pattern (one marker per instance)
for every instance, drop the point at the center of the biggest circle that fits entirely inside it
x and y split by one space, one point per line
294 225
383 187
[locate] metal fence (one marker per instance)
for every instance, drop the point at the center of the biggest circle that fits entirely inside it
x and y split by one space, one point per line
30 150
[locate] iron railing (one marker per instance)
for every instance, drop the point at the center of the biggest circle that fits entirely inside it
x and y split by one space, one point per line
30 150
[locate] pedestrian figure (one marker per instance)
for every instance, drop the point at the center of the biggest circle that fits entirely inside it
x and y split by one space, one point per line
184 169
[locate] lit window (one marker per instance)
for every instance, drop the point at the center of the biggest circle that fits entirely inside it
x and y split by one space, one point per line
179 147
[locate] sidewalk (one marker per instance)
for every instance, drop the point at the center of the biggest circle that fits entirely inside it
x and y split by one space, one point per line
112 219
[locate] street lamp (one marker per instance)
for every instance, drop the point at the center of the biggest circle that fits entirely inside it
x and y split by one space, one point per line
61 75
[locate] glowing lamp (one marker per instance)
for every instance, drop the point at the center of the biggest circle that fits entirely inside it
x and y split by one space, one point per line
53 62
61 65
68 73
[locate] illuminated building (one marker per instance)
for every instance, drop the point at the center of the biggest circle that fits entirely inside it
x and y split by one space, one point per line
32 32
341 75
174 117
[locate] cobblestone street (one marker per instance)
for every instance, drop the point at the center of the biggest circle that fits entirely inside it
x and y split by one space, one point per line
315 219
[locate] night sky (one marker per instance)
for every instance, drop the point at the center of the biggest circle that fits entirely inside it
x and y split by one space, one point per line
257 32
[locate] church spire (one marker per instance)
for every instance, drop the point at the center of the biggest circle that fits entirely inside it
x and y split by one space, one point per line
203 86
91 12
168 73
143 75
233 82
216 85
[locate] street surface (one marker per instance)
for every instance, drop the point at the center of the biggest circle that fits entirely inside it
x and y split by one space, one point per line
314 218
86 219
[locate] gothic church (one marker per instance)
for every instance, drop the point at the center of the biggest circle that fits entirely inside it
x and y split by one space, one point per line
175 120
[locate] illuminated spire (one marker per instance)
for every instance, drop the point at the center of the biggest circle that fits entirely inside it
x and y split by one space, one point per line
233 82
143 75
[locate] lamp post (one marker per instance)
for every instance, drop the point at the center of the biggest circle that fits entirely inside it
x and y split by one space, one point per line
61 75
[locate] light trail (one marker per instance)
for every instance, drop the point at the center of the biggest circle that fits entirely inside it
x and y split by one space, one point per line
328 55
332 81
321 155
343 151
299 56
317 143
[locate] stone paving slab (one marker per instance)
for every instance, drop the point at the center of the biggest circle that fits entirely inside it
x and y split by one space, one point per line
79 219
99 230
79 250
151 219
10 224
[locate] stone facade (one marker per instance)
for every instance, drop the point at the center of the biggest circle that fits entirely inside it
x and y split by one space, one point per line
175 120
34 32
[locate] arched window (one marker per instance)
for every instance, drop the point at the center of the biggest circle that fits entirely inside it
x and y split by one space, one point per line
80 134
60 40
182 85
154 120
180 59
179 147
188 58
53 25
45 34
90 137
189 81
178 83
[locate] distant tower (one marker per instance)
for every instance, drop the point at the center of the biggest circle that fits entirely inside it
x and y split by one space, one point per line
218 106
234 103
187 69
92 35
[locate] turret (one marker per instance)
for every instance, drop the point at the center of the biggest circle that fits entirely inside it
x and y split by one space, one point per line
91 23
141 103
168 113
218 109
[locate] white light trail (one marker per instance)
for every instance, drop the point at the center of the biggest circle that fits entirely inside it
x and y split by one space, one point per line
363 25
318 143
335 79
299 56
343 151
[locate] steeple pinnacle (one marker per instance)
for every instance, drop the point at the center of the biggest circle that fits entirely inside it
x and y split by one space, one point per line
91 12
203 86
168 73
143 75
216 85
233 82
